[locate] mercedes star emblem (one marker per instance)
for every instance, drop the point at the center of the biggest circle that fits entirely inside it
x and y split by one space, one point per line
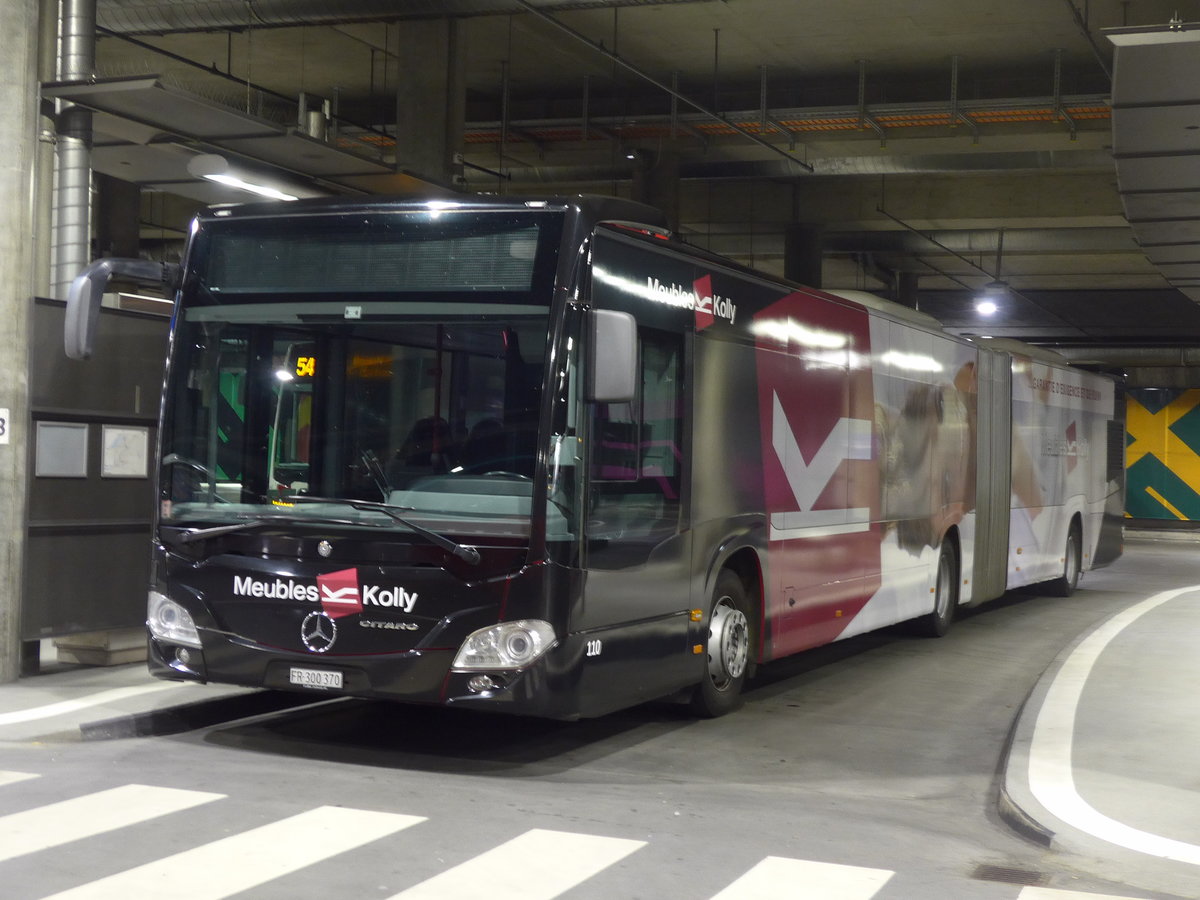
325 549
318 631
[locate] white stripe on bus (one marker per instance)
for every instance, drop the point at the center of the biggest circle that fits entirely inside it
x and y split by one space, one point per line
537 865
90 815
243 861
777 878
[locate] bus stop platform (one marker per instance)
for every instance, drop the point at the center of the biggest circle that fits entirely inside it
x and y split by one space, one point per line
1104 757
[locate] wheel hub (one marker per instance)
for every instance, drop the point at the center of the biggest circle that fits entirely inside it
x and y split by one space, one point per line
728 643
942 599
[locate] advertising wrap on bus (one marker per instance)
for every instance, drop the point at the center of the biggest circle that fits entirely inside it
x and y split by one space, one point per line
541 458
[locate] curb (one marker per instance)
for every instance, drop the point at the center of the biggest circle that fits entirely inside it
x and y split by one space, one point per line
1111 849
1014 763
191 716
1021 822
1016 805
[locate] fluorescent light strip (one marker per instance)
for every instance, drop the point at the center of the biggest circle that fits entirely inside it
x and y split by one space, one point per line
261 189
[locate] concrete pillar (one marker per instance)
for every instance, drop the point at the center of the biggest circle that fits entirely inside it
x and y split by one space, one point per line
656 182
18 137
430 99
802 253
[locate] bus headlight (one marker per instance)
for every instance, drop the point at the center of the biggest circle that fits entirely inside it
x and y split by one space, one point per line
170 622
509 645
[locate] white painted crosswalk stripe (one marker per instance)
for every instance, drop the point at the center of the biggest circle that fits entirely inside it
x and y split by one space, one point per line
243 861
537 865
14 777
1044 893
93 814
801 879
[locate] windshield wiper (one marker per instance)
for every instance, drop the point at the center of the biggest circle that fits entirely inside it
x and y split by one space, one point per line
462 551
375 470
203 534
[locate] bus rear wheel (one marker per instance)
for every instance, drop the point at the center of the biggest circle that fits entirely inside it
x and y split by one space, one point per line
727 648
1065 584
945 595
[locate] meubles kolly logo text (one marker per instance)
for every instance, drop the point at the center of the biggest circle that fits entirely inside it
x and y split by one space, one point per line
339 593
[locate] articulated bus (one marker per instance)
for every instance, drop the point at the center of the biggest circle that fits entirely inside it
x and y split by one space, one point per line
540 457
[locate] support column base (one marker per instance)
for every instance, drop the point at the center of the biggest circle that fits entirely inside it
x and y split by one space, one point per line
103 648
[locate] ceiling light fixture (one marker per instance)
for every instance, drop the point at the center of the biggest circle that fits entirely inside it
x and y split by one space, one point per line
216 168
261 190
987 304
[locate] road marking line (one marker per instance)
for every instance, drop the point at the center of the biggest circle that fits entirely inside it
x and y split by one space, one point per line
243 861
537 865
777 878
89 815
1044 893
1050 775
14 777
68 706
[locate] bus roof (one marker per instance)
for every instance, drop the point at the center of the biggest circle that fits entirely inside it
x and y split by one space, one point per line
591 207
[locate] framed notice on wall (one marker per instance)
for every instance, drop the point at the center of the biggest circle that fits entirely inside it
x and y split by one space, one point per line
125 451
61 450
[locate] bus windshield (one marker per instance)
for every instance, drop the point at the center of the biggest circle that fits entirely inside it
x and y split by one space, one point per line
342 367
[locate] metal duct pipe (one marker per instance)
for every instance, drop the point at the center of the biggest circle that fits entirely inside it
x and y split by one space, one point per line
73 188
78 32
43 242
72 198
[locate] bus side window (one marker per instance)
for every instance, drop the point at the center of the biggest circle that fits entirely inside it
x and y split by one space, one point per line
615 449
636 447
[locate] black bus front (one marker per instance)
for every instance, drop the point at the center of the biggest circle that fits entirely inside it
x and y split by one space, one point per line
369 475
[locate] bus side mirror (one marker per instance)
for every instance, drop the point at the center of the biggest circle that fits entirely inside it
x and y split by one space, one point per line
87 290
613 371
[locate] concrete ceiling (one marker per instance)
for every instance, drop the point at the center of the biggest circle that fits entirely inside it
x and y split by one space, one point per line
1156 130
932 143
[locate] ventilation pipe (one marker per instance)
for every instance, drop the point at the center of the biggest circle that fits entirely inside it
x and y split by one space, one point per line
73 188
313 116
43 192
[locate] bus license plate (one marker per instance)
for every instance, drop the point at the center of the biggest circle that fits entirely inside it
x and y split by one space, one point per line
322 679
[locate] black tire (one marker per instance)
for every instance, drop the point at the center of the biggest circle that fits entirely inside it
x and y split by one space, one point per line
728 646
1065 584
936 623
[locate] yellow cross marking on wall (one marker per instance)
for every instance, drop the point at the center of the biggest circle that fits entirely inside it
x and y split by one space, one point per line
1152 434
1166 505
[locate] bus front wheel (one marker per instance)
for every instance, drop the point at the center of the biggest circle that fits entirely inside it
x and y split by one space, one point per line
727 647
